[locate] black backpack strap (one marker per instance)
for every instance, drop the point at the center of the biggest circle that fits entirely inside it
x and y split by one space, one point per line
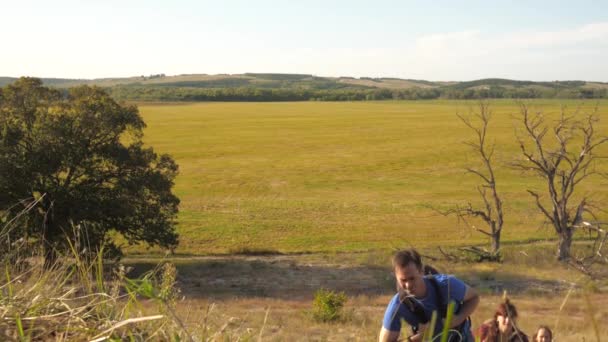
415 308
442 304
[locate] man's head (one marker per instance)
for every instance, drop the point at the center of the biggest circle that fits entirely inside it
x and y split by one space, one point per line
505 314
407 265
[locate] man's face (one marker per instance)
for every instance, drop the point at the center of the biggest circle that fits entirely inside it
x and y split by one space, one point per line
504 324
410 279
543 336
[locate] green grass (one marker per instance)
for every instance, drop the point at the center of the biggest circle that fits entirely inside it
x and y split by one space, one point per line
325 177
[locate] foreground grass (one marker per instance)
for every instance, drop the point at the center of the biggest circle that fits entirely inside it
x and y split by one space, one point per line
76 300
287 320
327 177
269 298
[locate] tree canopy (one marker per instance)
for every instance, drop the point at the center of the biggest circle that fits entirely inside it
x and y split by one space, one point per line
80 155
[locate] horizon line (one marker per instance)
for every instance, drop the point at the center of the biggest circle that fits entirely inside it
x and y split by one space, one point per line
295 73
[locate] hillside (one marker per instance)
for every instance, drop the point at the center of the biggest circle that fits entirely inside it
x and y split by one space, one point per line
274 80
263 80
304 87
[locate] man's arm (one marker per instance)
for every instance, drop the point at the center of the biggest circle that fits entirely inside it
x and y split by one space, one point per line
388 336
470 302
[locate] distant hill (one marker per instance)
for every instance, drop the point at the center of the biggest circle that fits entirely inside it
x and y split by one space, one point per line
296 87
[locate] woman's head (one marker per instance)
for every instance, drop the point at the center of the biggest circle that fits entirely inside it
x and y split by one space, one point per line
543 334
505 314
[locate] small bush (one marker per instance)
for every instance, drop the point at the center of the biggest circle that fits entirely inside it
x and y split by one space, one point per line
327 305
481 255
254 251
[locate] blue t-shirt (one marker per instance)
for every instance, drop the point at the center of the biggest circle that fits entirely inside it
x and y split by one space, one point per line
451 288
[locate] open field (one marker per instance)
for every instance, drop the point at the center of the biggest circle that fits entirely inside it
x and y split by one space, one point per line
322 177
335 187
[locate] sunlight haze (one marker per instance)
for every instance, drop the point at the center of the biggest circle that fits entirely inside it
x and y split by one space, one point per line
439 40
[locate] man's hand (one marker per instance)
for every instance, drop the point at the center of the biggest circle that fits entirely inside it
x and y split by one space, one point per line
393 336
418 337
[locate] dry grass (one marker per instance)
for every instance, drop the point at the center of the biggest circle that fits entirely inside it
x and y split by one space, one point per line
268 298
242 289
287 319
76 300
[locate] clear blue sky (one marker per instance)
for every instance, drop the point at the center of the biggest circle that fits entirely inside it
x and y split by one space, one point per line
433 40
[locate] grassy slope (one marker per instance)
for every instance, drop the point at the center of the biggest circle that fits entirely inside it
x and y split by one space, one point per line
301 177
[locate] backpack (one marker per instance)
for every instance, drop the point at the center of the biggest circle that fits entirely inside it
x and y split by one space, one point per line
442 307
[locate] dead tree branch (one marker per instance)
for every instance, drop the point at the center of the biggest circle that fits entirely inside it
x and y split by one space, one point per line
560 165
492 211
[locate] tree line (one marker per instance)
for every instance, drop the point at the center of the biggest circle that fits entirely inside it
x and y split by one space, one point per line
256 94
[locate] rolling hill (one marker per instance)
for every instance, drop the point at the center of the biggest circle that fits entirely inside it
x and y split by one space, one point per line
296 87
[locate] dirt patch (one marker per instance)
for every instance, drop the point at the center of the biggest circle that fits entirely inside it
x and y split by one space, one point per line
282 277
297 277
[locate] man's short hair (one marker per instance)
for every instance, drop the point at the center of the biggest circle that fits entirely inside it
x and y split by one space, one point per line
403 258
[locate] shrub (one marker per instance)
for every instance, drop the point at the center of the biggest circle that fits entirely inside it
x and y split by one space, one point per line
327 305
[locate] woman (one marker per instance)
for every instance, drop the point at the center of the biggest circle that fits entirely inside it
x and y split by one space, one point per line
543 334
502 328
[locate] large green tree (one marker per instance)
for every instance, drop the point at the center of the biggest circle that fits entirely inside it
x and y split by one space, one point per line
80 155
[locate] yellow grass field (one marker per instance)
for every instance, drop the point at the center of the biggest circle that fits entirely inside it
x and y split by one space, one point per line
342 176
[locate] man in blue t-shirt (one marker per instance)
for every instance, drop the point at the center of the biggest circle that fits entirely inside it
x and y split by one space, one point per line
419 296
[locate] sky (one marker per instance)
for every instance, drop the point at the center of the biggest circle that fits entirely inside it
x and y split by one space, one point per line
430 40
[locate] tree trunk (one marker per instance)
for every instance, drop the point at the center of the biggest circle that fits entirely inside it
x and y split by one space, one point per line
495 242
48 236
563 247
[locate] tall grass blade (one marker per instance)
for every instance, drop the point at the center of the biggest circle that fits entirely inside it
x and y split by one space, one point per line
430 330
561 307
20 328
8 281
448 321
590 312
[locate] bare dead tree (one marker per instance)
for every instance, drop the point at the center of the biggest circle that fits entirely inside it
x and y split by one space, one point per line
561 165
492 211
